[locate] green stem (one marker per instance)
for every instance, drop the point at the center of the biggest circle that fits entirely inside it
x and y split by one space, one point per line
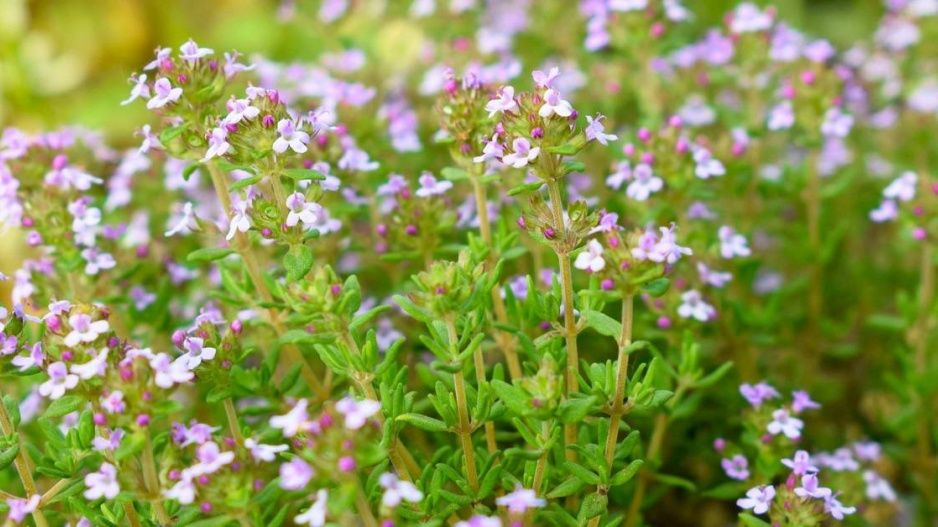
243 246
813 208
541 466
22 464
462 406
233 425
152 481
925 447
566 284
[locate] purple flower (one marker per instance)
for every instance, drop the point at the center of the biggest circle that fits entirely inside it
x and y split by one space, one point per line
20 508
232 67
84 330
759 499
168 372
747 18
544 80
666 249
622 174
759 393
706 165
96 367
781 116
140 89
211 459
836 123
315 515
396 491
736 467
35 357
800 463
240 220
732 244
301 210
877 488
295 474
196 353
108 441
810 488
164 94
836 509
868 450
290 137
902 188
429 186
262 452
240 110
783 423
505 102
492 150
218 144
888 210
711 277
595 130
8 343
292 422
191 52
481 521
801 401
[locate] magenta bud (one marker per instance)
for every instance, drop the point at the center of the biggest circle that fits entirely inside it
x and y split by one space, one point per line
325 420
182 78
450 86
213 65
521 222
226 364
203 480
99 419
206 507
258 484
934 189
919 233
143 420
680 283
918 210
644 135
537 133
628 149
767 438
273 96
657 29
174 475
143 251
178 338
229 442
68 355
411 230
719 444
440 290
127 374
53 323
788 92
346 464
675 121
808 77
266 232
405 193
322 140
268 121
664 322
381 247
648 157
236 326
738 149
336 289
113 342
549 233
382 230
59 162
536 402
33 239
499 129
545 325
608 284
147 396
28 222
466 148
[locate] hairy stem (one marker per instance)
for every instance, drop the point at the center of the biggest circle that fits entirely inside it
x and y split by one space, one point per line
233 425
566 284
541 466
622 377
22 463
152 481
243 246
462 406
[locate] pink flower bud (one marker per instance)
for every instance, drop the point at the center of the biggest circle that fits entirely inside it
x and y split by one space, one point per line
608 284
178 338
67 355
919 233
537 133
412 230
808 77
675 121
657 29
236 327
648 157
143 420
719 444
644 135
664 322
54 324
99 419
268 121
382 230
206 507
346 464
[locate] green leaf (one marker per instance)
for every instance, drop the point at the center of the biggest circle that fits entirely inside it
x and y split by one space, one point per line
366 317
298 261
13 409
246 182
675 481
657 287
574 410
514 399
627 473
573 166
584 474
304 174
569 487
715 375
423 422
725 491
209 254
454 174
187 172
602 323
751 521
9 454
168 134
564 150
594 505
528 187
63 405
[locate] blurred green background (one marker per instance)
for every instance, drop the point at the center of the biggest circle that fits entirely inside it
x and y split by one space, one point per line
67 61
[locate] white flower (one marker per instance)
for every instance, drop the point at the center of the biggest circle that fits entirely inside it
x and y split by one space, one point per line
102 483
902 188
504 103
315 515
301 210
165 94
731 243
429 186
196 352
783 423
211 459
93 368
523 153
240 109
591 260
707 166
240 221
357 412
644 184
555 105
836 123
262 452
183 491
810 488
758 499
694 306
520 500
294 420
168 372
191 52
59 381
290 137
218 144
396 490
877 487
140 89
